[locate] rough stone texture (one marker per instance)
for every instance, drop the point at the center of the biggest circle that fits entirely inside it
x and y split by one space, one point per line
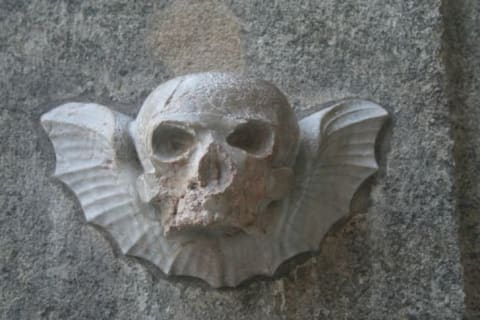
397 257
194 36
462 46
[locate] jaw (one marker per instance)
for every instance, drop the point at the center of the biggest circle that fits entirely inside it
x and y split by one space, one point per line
203 223
214 215
225 209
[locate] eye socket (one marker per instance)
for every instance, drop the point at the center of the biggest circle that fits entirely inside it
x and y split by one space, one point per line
170 141
255 137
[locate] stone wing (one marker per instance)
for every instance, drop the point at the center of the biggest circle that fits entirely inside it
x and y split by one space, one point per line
96 160
337 154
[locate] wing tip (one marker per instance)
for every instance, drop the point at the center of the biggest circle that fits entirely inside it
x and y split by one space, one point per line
61 110
363 104
78 113
350 112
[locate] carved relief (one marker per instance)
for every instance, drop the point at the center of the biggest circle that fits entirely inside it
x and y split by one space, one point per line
215 178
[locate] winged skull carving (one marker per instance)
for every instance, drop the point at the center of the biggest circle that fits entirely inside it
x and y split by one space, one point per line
215 178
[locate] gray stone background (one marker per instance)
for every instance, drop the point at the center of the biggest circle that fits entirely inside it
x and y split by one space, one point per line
411 249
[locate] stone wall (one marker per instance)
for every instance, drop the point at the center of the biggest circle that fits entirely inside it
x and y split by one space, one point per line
411 248
462 60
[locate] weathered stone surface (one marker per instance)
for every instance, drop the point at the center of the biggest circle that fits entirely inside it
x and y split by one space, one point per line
215 178
194 36
462 51
397 257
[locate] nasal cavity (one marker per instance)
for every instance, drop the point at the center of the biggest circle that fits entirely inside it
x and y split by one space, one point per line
215 167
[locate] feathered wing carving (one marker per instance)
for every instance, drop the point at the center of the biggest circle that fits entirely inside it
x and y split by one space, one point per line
336 155
96 160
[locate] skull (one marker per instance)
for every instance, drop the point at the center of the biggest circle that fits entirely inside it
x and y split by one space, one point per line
217 151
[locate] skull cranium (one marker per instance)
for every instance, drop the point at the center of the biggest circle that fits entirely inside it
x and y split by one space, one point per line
216 150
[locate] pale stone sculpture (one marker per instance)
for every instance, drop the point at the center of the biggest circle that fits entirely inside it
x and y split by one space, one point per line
215 178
